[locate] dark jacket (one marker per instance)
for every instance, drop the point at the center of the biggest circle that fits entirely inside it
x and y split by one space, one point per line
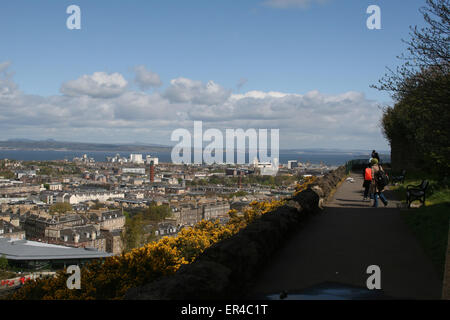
375 155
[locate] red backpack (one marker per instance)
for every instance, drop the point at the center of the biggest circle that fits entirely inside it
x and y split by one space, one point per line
368 174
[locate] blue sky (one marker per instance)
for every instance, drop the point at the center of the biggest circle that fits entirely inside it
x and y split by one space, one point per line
323 47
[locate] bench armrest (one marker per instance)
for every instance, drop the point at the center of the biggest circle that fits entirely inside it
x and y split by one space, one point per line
413 187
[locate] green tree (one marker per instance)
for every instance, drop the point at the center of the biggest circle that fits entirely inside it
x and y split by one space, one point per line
60 208
157 213
7 174
3 263
133 235
417 125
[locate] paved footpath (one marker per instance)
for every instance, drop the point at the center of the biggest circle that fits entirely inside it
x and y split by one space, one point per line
339 244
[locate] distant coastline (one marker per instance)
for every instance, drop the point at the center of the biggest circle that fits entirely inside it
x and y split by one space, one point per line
50 150
52 145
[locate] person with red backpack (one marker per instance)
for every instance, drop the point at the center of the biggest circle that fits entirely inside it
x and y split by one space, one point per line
367 182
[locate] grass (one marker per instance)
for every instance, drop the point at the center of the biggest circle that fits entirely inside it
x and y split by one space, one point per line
429 223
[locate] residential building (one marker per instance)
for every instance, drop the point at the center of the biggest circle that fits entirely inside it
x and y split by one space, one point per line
108 220
77 197
114 243
10 231
214 211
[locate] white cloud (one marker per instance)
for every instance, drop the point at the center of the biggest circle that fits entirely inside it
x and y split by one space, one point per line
97 85
187 90
146 79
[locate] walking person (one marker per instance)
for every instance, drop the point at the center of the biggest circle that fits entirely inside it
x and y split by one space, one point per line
367 182
379 182
375 155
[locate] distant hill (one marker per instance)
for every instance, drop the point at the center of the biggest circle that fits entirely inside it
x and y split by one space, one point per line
28 144
334 151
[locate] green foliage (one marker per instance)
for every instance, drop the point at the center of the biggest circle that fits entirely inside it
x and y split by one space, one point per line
3 263
437 193
134 235
7 174
126 214
157 213
417 125
429 223
60 208
419 122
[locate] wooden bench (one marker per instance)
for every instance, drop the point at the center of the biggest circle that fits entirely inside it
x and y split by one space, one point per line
416 193
400 178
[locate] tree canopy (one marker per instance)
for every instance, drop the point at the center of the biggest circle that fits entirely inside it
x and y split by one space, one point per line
419 120
60 207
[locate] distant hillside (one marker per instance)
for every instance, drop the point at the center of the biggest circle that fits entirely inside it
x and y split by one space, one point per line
335 151
26 144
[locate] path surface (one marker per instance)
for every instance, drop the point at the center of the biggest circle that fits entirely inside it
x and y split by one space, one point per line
341 242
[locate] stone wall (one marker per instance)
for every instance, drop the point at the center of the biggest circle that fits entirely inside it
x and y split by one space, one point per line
224 270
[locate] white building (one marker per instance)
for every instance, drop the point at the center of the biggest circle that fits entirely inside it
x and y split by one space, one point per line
292 164
266 168
136 158
26 173
149 159
117 158
55 186
271 170
76 198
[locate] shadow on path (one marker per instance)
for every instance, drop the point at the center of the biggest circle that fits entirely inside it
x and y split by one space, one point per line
339 244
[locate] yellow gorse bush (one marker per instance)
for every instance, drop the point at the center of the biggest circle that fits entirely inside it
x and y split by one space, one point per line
110 278
306 183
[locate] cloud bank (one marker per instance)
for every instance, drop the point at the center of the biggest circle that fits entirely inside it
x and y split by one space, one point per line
101 107
97 85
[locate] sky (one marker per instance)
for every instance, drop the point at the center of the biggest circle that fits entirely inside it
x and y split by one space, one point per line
137 70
